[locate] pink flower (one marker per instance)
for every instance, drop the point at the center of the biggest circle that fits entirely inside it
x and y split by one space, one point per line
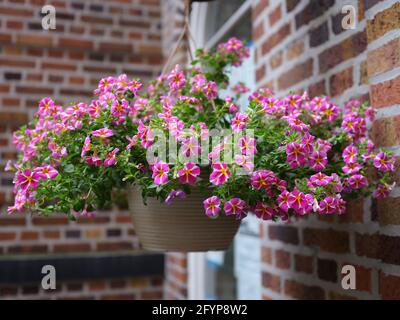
296 124
198 82
110 158
86 147
328 205
264 211
351 168
160 173
370 113
190 147
132 142
382 191
319 179
210 90
300 202
189 173
239 122
27 179
175 194
350 154
103 133
105 85
296 155
330 111
357 181
283 201
247 145
212 206
235 206
307 142
46 172
45 106
94 160
262 179
220 174
244 161
318 160
145 135
176 78
384 163
269 105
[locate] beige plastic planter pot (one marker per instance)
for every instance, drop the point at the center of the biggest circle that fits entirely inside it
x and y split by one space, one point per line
180 226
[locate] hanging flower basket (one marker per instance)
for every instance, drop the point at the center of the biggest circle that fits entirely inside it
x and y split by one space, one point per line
282 157
180 226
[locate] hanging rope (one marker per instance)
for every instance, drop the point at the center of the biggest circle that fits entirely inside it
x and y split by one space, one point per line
185 31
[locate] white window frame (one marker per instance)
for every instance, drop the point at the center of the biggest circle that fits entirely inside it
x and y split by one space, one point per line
198 20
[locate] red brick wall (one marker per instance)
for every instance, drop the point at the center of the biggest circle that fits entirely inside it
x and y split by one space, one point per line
92 39
301 45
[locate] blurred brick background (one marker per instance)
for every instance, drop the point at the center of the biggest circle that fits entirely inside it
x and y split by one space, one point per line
92 39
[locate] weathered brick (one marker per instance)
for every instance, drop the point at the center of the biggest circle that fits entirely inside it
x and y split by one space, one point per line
285 234
319 35
300 72
34 40
354 212
327 270
276 60
384 58
303 263
7 236
389 286
299 290
295 50
313 10
317 89
341 81
328 240
259 8
258 31
386 93
387 211
275 15
64 42
266 255
345 50
72 247
378 246
275 39
291 4
260 72
271 281
282 259
386 132
383 22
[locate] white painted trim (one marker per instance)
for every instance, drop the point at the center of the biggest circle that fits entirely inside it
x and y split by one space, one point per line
229 24
197 275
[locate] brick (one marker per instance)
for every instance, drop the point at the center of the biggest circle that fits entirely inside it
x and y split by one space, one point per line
313 10
303 263
71 247
363 278
51 234
319 35
282 259
27 249
364 79
47 221
327 270
285 234
34 90
16 12
378 246
72 234
151 295
93 233
389 286
5 38
266 255
259 8
96 19
7 236
298 73
75 43
387 211
114 246
12 221
115 47
291 4
275 39
276 60
59 66
14 118
338 296
317 89
386 93
337 23
29 235
327 240
275 15
295 50
345 50
15 63
384 22
271 281
385 132
384 58
134 23
94 220
341 81
34 40
299 290
258 30
354 212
